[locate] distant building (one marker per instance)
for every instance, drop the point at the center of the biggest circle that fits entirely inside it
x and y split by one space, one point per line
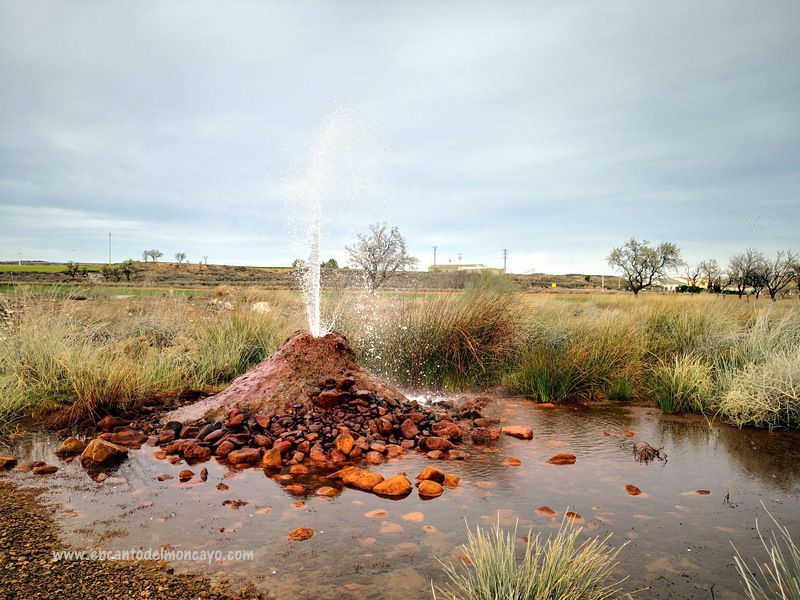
671 284
454 268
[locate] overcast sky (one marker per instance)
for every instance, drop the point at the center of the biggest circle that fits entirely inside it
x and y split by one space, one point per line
554 129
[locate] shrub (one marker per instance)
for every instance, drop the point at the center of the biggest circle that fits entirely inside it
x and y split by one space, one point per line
778 576
682 385
766 394
558 566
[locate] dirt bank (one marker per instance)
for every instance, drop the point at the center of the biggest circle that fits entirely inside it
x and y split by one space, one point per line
28 538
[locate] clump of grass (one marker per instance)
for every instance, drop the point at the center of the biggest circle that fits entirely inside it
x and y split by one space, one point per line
778 575
451 341
766 394
558 566
557 364
683 385
621 389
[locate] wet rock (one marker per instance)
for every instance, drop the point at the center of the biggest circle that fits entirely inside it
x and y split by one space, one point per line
70 447
518 431
378 513
573 516
388 528
431 474
272 459
299 470
100 451
399 485
203 474
414 517
632 490
482 436
45 470
235 504
546 511
409 429
435 455
374 458
327 491
164 477
329 399
195 452
245 456
317 454
295 488
185 475
166 436
225 448
108 423
214 436
438 443
512 461
702 492
344 443
262 441
7 463
393 451
447 429
222 487
430 489
361 479
300 534
562 459
385 426
451 481
234 421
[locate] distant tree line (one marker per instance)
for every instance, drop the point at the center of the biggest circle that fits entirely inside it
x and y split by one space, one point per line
750 272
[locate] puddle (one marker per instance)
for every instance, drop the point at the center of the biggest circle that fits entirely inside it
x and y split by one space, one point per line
679 542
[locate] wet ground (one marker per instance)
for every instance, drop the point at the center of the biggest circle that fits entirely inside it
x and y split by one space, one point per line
679 541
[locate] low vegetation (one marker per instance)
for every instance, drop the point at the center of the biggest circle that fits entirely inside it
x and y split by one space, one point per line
711 354
557 566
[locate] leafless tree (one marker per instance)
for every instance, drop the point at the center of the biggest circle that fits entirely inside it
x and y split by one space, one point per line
154 254
692 274
180 257
642 264
712 272
380 254
743 270
779 272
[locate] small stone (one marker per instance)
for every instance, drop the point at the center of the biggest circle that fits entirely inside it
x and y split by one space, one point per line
361 479
432 474
414 517
430 489
222 487
108 423
300 534
100 451
512 461
573 516
45 470
185 475
451 481
203 474
378 513
409 429
517 431
344 443
164 477
272 459
632 490
438 443
298 470
399 485
70 447
546 511
327 491
562 459
435 455
388 528
374 458
295 488
244 456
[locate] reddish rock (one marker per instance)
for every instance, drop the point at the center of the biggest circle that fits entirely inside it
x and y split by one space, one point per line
447 429
195 452
262 441
214 435
272 459
108 423
222 487
632 490
361 479
283 446
512 461
409 429
338 457
451 481
166 436
45 470
100 451
317 454
332 398
393 451
225 448
435 455
7 463
300 534
438 443
299 470
234 421
327 491
70 447
344 443
185 475
562 459
546 511
430 489
203 474
384 426
340 473
245 456
295 488
517 431
164 477
374 458
399 485
431 474
262 421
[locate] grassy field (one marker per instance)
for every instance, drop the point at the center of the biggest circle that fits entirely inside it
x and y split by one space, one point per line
718 356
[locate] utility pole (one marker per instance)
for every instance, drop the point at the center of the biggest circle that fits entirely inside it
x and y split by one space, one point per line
459 258
435 248
505 259
109 247
602 282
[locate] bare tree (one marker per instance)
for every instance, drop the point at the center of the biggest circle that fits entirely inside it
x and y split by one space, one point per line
146 255
380 254
779 272
180 257
692 274
742 270
712 272
759 274
642 264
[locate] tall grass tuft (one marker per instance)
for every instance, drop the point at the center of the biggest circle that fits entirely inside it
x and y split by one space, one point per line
452 341
558 566
778 574
683 385
766 394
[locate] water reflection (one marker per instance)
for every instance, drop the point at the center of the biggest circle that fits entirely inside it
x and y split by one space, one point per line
679 540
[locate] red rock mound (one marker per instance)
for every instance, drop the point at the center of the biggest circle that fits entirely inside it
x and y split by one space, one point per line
322 369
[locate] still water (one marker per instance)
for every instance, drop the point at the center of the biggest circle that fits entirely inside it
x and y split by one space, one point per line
679 541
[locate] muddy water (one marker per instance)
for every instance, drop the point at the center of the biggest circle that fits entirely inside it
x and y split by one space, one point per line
679 541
